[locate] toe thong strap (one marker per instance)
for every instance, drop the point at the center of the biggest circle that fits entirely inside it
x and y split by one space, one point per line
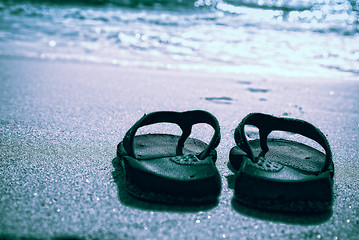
267 123
185 120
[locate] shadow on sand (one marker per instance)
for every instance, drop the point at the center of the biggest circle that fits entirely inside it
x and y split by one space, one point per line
274 216
289 218
132 201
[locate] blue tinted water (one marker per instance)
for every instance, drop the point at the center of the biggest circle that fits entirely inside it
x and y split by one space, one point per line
318 38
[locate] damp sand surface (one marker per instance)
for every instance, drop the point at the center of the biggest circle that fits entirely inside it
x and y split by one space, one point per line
60 123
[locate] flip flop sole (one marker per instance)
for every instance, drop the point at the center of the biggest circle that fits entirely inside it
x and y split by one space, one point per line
286 152
296 187
155 176
139 191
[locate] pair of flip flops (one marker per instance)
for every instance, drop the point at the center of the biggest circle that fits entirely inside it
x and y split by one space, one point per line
273 174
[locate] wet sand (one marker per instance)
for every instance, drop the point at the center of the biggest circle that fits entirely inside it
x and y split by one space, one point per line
60 123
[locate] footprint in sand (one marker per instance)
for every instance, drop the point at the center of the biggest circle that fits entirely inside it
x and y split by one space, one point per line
258 90
219 100
244 82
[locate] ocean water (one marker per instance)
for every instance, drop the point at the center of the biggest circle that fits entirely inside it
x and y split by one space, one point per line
299 38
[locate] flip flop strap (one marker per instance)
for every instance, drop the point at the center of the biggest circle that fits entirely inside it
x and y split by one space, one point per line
185 120
267 123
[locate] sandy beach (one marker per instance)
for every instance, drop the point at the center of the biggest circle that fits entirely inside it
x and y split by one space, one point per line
60 123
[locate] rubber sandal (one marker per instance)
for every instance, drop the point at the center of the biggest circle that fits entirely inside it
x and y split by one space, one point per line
169 168
286 175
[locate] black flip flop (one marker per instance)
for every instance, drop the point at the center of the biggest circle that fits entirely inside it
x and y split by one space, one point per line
168 168
286 175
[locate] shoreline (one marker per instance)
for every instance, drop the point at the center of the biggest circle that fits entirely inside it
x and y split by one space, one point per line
346 76
60 123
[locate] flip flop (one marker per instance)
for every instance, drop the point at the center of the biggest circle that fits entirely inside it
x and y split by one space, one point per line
286 175
169 168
